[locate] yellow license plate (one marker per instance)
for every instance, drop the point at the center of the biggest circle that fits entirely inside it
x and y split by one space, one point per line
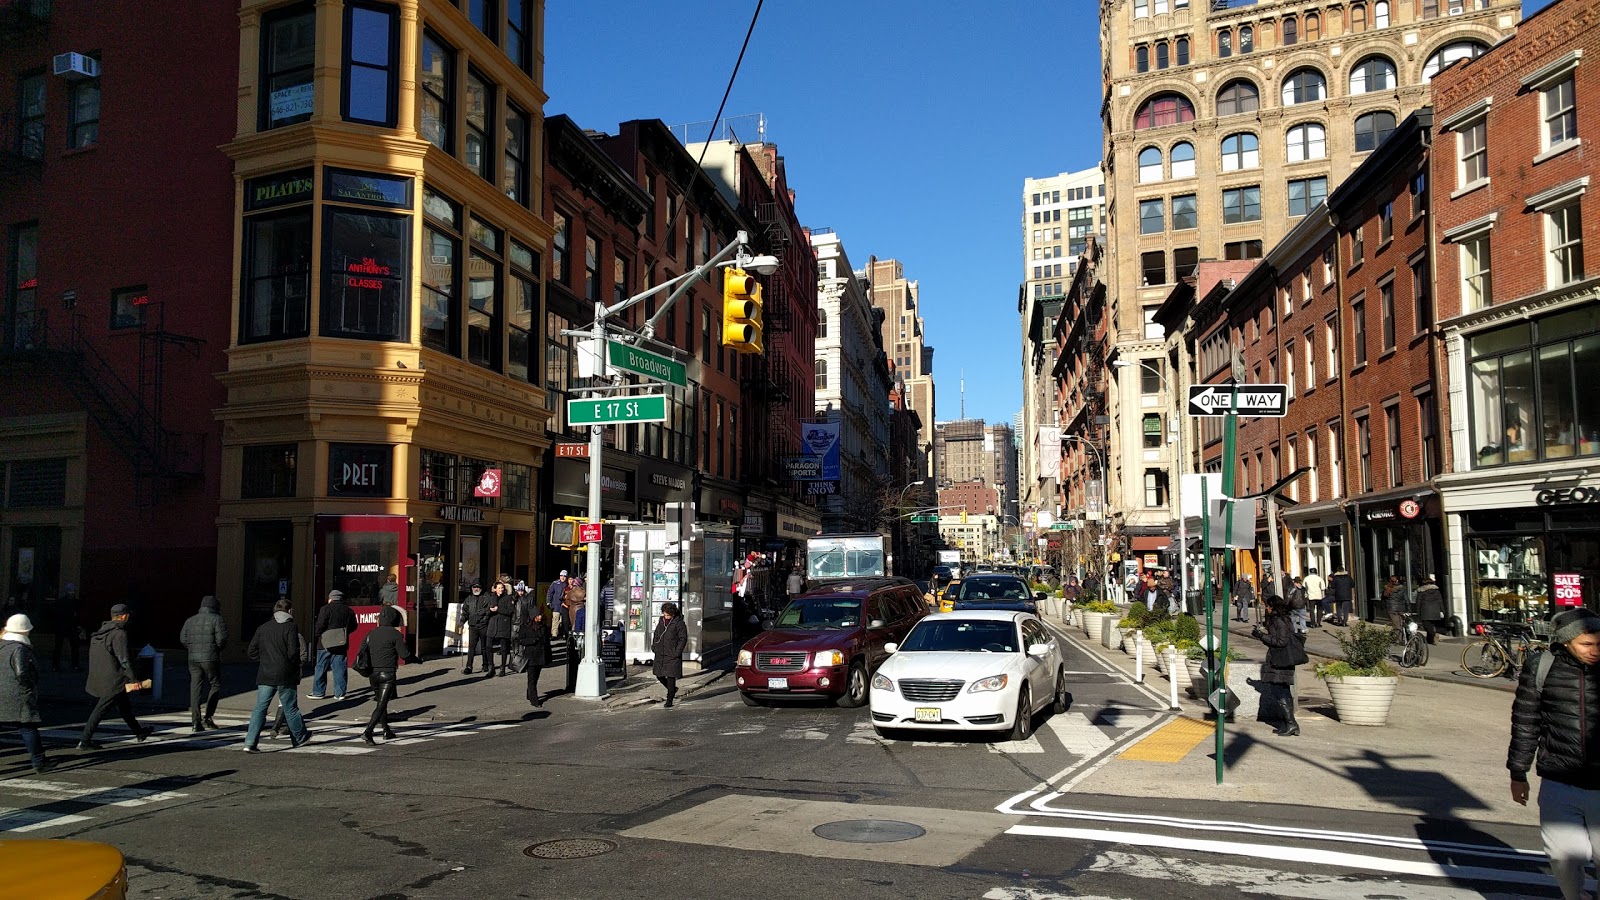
929 714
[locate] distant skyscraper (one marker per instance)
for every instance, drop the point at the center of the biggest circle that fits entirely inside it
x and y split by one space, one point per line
911 359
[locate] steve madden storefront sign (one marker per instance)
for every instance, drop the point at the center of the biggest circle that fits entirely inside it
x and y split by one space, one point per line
1567 496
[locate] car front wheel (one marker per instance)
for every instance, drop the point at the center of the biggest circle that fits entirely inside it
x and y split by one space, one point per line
1063 698
855 690
1022 728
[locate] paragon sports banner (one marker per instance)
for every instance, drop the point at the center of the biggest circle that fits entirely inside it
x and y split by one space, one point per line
821 441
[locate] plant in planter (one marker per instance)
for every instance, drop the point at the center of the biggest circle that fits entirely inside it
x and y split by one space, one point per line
1094 613
1362 683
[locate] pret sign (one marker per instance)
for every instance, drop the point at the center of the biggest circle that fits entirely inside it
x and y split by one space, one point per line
360 470
1569 588
611 410
1244 399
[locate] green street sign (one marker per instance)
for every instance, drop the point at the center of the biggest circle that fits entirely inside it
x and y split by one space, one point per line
650 365
924 519
612 410
1061 526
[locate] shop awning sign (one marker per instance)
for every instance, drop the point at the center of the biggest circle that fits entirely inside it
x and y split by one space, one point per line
1244 399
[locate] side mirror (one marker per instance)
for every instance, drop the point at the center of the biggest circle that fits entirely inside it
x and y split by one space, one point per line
876 623
1038 649
766 624
890 647
1038 596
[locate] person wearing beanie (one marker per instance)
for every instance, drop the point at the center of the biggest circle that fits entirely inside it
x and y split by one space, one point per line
19 689
203 636
1555 717
111 677
332 630
281 652
385 647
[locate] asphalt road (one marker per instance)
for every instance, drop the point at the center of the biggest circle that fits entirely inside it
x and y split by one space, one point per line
715 799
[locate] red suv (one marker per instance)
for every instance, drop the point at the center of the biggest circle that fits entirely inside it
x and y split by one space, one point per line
828 641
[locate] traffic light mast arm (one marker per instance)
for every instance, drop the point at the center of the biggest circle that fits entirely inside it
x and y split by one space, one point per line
738 245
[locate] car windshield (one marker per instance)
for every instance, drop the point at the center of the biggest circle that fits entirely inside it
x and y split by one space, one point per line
993 589
821 612
962 636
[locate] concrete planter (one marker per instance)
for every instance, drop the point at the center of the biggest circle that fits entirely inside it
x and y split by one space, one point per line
1244 688
1111 635
1362 700
1091 623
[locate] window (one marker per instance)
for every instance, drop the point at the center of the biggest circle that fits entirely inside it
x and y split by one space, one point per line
1305 194
1153 265
1141 9
1358 326
1163 56
83 114
560 243
1247 37
1472 153
523 312
1335 462
480 118
1327 265
1184 262
1241 205
1149 377
1291 31
1152 431
558 366
371 82
1448 54
1149 166
1240 151
1288 366
128 306
441 248
1183 51
1358 245
1162 110
366 283
438 93
591 270
1428 430
1184 216
1358 17
1141 58
1238 97
1313 26
1372 128
1391 427
1182 160
483 16
484 310
1563 238
1152 216
705 334
31 117
517 26
1241 250
288 45
1330 334
1155 487
1380 14
514 176
1375 73
1560 112
1386 222
276 265
268 471
1307 141
1304 85
1364 450
1421 304
1311 463
1386 310
1311 359
1224 44
822 374
1476 286
619 288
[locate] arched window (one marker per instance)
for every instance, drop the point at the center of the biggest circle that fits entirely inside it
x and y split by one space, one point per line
1358 17
1304 86
1380 14
1183 51
1371 129
1247 39
1149 165
1162 58
1313 26
1375 73
1224 43
1291 31
1164 109
822 323
822 374
1240 151
1448 54
1182 157
1141 58
1306 141
1238 97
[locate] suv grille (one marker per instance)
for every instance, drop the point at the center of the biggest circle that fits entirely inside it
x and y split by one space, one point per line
926 690
781 662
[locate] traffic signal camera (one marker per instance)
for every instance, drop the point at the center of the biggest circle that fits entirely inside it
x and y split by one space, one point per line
741 311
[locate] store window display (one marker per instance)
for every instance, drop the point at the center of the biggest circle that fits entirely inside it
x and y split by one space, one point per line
1509 580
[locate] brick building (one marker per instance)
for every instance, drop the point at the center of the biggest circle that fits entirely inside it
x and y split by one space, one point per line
1518 310
974 498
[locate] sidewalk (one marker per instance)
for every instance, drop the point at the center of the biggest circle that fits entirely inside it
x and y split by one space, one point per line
1444 657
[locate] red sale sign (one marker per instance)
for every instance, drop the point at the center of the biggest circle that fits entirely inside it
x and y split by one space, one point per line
1569 589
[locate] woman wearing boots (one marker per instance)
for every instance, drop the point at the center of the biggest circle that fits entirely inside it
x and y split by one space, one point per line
386 647
533 633
1284 653
670 639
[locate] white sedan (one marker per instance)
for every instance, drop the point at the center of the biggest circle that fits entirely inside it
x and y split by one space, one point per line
979 670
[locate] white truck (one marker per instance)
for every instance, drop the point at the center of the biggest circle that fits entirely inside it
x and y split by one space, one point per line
951 558
831 557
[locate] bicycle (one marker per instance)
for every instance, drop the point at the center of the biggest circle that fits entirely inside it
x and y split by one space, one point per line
1413 644
1504 647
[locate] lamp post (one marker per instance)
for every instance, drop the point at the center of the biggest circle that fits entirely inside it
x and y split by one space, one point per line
1105 510
899 524
1177 466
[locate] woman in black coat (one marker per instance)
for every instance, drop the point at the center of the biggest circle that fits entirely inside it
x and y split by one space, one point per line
501 608
19 689
1282 644
671 637
385 647
533 633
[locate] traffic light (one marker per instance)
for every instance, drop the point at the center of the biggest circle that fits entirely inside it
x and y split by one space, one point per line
564 532
741 311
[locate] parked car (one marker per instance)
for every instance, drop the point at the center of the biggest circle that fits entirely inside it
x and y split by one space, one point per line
987 591
983 670
827 642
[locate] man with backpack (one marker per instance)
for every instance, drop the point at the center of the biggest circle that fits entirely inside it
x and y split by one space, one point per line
1548 718
1297 604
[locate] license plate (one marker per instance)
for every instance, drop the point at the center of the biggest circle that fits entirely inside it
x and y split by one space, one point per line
929 714
777 684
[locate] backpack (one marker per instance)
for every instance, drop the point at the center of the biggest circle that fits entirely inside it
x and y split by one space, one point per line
1542 669
1297 598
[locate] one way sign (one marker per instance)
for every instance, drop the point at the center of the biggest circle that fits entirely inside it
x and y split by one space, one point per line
1244 399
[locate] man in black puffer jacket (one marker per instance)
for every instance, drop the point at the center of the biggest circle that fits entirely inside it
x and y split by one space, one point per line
280 650
1560 719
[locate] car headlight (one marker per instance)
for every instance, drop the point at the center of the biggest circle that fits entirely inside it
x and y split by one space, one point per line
881 682
992 683
746 658
826 658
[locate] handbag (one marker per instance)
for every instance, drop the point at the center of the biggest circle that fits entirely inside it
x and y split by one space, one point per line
363 664
1288 656
335 637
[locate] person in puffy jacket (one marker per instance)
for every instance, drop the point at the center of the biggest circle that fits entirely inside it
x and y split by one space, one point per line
281 652
386 647
1560 722
203 637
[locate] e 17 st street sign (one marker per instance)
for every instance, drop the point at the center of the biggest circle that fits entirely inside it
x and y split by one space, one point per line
613 410
1245 400
650 365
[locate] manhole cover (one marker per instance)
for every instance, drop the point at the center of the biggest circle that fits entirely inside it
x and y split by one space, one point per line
646 744
571 848
868 831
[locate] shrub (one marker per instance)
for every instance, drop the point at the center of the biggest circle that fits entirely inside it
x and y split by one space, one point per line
1100 606
1366 653
1140 616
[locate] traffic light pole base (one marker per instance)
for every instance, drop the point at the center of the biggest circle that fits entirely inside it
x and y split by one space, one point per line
591 680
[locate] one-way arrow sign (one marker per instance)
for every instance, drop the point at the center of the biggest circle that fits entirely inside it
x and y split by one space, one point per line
1245 400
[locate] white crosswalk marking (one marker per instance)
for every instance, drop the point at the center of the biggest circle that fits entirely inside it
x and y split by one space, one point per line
1078 735
1031 745
62 790
34 819
35 804
804 734
328 736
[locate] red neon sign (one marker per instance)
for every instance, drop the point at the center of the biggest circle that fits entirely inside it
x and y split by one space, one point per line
29 284
367 266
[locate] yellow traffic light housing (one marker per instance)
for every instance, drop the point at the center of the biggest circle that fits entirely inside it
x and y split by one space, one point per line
741 311
564 532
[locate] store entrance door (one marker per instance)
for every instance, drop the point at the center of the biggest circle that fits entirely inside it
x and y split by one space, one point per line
358 555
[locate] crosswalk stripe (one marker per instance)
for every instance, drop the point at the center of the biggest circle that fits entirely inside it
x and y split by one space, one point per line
329 736
34 819
1030 745
101 796
1080 736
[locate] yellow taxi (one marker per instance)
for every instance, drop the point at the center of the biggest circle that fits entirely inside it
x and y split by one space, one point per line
947 597
79 870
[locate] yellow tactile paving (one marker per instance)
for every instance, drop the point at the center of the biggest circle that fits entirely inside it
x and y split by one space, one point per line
1171 742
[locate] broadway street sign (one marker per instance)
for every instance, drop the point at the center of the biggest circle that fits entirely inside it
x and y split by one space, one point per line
650 365
1245 400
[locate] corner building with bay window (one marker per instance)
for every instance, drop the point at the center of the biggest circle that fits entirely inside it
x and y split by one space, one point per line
384 414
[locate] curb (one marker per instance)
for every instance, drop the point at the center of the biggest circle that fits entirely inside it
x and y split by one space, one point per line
645 690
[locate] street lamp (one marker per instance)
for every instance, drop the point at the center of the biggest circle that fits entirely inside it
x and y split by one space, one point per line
1105 511
899 526
1177 465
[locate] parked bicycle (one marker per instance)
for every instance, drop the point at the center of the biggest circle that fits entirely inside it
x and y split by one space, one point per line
1413 643
1504 647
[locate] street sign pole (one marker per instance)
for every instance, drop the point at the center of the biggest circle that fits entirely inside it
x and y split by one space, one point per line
591 672
1230 439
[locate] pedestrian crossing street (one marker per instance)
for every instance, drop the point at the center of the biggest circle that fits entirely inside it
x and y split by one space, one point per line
332 737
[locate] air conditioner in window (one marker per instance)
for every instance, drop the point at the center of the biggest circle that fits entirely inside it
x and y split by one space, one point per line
76 66
1456 9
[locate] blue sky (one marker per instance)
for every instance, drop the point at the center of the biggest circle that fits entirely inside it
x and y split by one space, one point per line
907 126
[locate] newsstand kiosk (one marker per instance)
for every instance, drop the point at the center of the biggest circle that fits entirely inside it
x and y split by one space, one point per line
656 566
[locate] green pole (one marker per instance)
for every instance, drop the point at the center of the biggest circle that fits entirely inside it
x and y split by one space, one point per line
1205 552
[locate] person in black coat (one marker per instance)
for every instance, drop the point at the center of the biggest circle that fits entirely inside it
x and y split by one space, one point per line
502 608
475 608
1553 721
19 688
1344 595
336 615
203 637
110 673
281 652
385 647
1279 635
533 633
668 643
